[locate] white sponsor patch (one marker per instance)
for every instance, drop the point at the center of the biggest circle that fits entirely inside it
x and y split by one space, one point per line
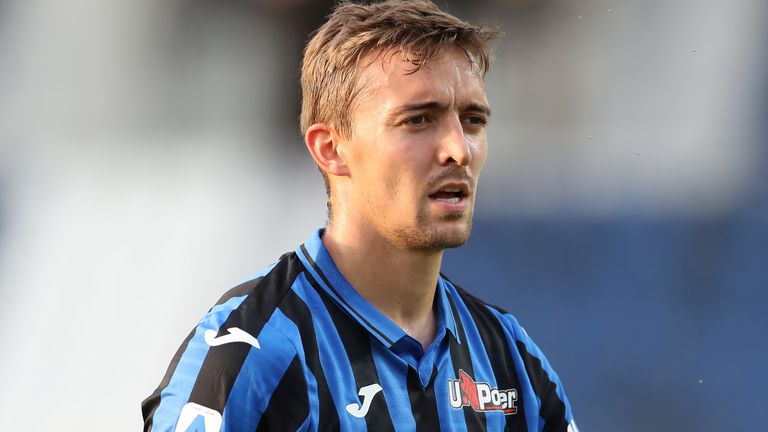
480 395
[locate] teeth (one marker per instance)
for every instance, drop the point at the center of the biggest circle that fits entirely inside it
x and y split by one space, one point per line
448 200
452 190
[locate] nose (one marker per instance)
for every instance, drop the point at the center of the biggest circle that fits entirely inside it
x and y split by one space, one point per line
454 147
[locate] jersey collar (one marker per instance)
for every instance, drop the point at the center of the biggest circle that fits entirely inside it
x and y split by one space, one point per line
321 267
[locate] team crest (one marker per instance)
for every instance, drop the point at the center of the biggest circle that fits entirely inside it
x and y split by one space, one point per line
481 396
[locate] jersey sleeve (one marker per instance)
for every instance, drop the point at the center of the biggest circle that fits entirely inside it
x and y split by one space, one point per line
231 375
554 407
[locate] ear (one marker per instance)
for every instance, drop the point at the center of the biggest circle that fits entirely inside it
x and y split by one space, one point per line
323 144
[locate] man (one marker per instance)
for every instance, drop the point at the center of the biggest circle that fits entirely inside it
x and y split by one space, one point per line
357 329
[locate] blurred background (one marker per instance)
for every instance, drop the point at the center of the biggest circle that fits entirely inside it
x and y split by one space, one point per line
150 159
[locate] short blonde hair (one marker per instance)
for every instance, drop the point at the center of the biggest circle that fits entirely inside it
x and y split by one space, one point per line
330 81
419 30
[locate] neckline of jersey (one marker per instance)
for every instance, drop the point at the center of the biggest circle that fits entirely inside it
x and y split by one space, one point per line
319 263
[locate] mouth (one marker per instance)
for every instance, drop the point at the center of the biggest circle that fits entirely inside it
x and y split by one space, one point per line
452 193
448 196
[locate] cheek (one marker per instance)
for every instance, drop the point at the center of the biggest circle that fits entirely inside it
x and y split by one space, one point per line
380 175
479 148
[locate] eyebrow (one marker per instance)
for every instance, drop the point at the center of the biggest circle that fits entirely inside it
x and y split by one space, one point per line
478 107
434 105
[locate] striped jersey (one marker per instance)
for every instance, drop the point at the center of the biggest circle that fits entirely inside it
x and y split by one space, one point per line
298 349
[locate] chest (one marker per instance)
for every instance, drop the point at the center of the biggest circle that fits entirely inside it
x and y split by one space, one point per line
454 385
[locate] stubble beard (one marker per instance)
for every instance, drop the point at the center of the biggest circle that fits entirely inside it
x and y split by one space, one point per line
425 236
424 233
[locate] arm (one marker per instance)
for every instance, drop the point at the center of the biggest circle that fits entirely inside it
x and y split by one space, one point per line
223 378
554 407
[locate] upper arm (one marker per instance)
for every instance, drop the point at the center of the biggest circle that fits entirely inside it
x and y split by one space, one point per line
554 407
227 379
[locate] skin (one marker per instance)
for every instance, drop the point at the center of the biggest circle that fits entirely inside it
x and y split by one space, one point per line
413 134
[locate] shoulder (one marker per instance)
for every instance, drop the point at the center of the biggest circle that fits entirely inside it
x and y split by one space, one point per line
253 304
488 311
252 313
497 319
264 289
238 353
500 332
490 317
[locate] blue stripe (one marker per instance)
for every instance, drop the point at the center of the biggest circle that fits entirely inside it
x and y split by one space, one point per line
450 418
444 307
479 356
325 272
534 350
531 401
259 376
393 377
514 332
289 329
305 426
176 394
333 358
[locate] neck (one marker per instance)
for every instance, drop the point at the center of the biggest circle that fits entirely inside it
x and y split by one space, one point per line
399 283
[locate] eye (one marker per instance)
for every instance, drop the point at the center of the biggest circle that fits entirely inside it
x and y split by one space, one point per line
416 121
475 120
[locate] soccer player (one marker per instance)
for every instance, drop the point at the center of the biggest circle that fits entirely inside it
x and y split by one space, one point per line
357 329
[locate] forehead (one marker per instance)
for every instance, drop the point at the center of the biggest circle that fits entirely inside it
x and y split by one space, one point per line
389 78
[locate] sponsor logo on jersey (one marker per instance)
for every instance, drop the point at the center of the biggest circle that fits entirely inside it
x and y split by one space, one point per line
366 396
481 396
235 335
197 418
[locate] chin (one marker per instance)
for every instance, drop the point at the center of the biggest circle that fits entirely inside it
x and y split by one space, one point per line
434 238
454 239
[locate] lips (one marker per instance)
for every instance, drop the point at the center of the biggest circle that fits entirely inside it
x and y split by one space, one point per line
450 192
448 195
